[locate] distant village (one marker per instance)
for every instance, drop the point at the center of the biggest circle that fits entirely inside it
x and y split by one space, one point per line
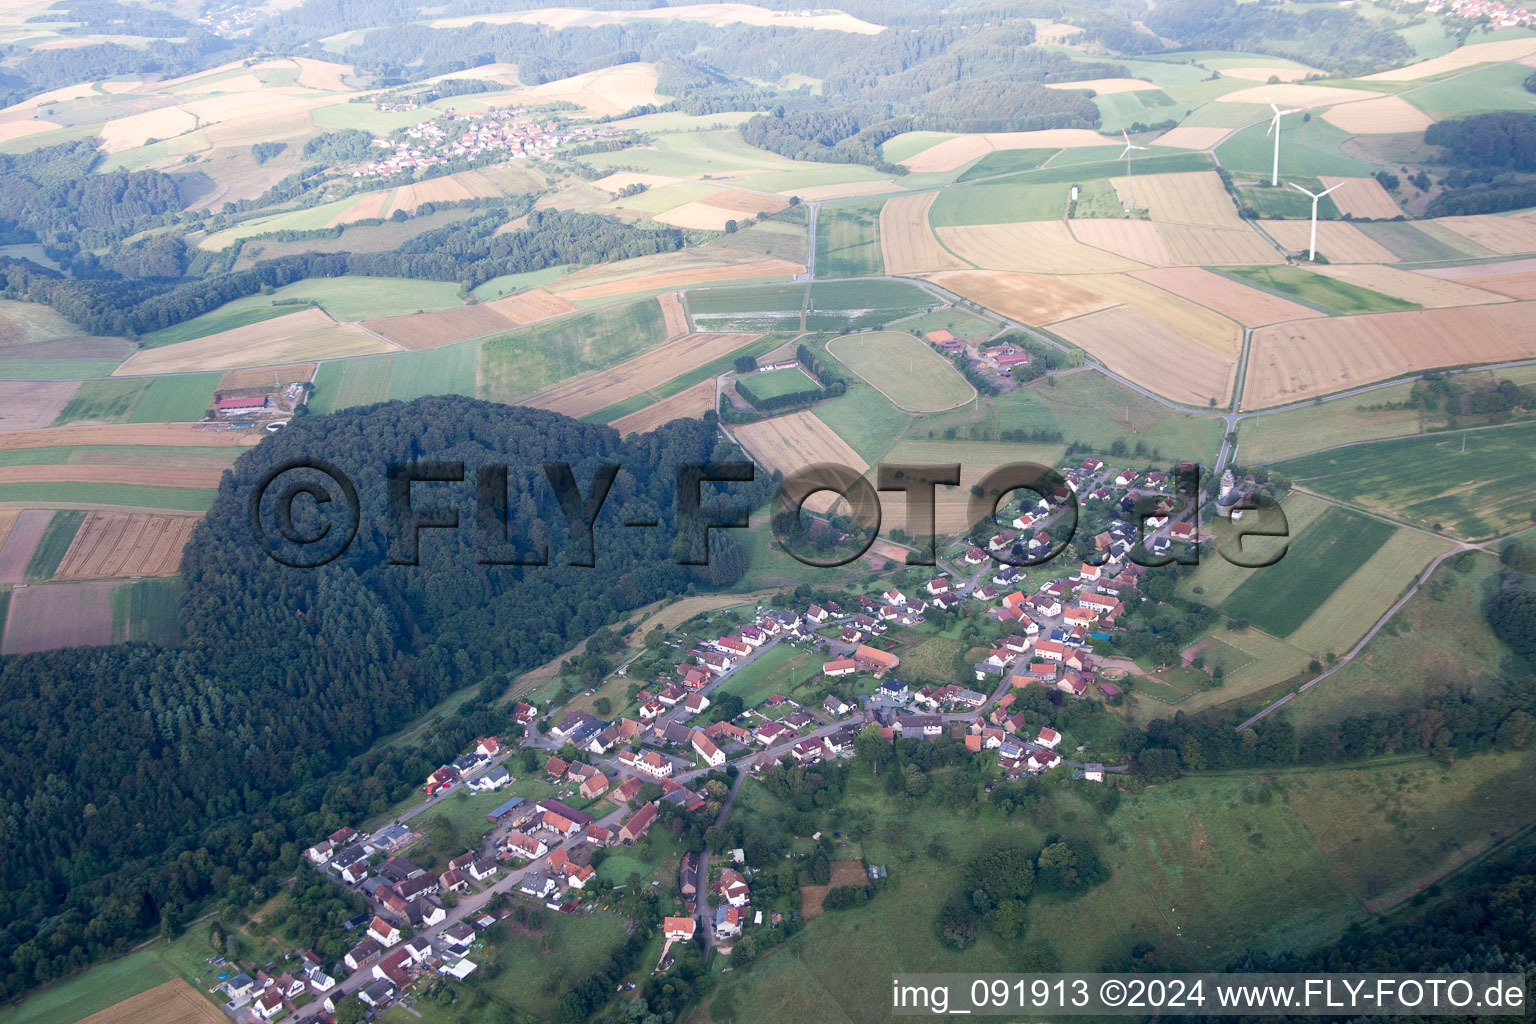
512 134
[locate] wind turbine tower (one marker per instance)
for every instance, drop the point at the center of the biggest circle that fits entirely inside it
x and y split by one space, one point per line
1130 187
1312 254
1274 129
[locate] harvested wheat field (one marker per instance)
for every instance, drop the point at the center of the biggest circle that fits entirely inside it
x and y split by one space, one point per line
690 404
156 434
1052 33
962 149
531 306
1506 236
1176 245
616 383
1153 355
1193 197
620 180
1515 278
1191 137
714 14
323 74
114 545
682 278
266 377
1106 86
738 201
704 215
1042 247
1295 94
1430 292
1047 138
1382 116
1292 362
846 190
1248 306
136 129
612 90
161 476
25 404
450 188
788 443
907 241
1028 298
43 618
1459 60
949 154
440 327
1205 327
1338 241
1362 198
372 204
8 517
673 316
310 334
21 128
1264 72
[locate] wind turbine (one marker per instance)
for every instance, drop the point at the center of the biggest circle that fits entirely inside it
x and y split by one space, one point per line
1130 187
1274 129
1312 255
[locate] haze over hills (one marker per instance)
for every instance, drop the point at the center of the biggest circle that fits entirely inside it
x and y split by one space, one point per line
1291 246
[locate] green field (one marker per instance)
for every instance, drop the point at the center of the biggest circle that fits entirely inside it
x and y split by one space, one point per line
1407 242
54 542
765 308
907 371
1007 161
1430 481
1318 291
780 669
175 499
522 363
90 992
956 321
148 611
179 398
1000 202
724 364
349 382
837 306
358 298
446 370
1310 147
192 457
1280 597
223 319
1281 202
865 418
507 284
848 241
1496 87
775 383
536 970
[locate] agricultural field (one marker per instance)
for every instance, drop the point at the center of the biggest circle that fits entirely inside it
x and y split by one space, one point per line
525 362
1007 161
1157 354
182 398
120 544
1337 241
308 335
224 319
1325 292
787 443
998 203
1040 247
849 241
1304 359
41 618
690 403
1469 483
67 359
26 404
907 371
777 383
907 241
1175 245
783 669
354 297
99 989
615 384
1247 306
642 275
953 503
698 382
23 531
1409 287
1318 425
1028 298
836 306
764 309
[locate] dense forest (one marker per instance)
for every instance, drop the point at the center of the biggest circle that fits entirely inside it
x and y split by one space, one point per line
137 780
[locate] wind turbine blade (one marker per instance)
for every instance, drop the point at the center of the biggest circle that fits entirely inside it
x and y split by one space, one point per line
1327 190
1274 123
1298 188
1272 106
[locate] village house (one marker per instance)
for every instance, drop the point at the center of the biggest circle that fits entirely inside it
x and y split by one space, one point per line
835 705
733 888
695 703
679 929
706 749
638 824
870 659
844 666
382 932
723 732
728 922
1048 737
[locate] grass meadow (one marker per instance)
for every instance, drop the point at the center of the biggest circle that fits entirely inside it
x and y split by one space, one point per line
522 363
848 241
1317 290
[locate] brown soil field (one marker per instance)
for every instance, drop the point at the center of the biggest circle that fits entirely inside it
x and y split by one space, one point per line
441 327
1153 355
1203 326
26 529
1189 137
1028 298
907 241
159 434
1042 247
1507 236
606 387
673 316
1296 94
1459 60
1362 197
1248 306
1384 116
949 154
264 377
788 443
119 544
527 307
1106 86
310 334
690 404
42 618
1194 197
844 872
681 278
1430 292
1314 357
164 476
1340 242
26 404
740 202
